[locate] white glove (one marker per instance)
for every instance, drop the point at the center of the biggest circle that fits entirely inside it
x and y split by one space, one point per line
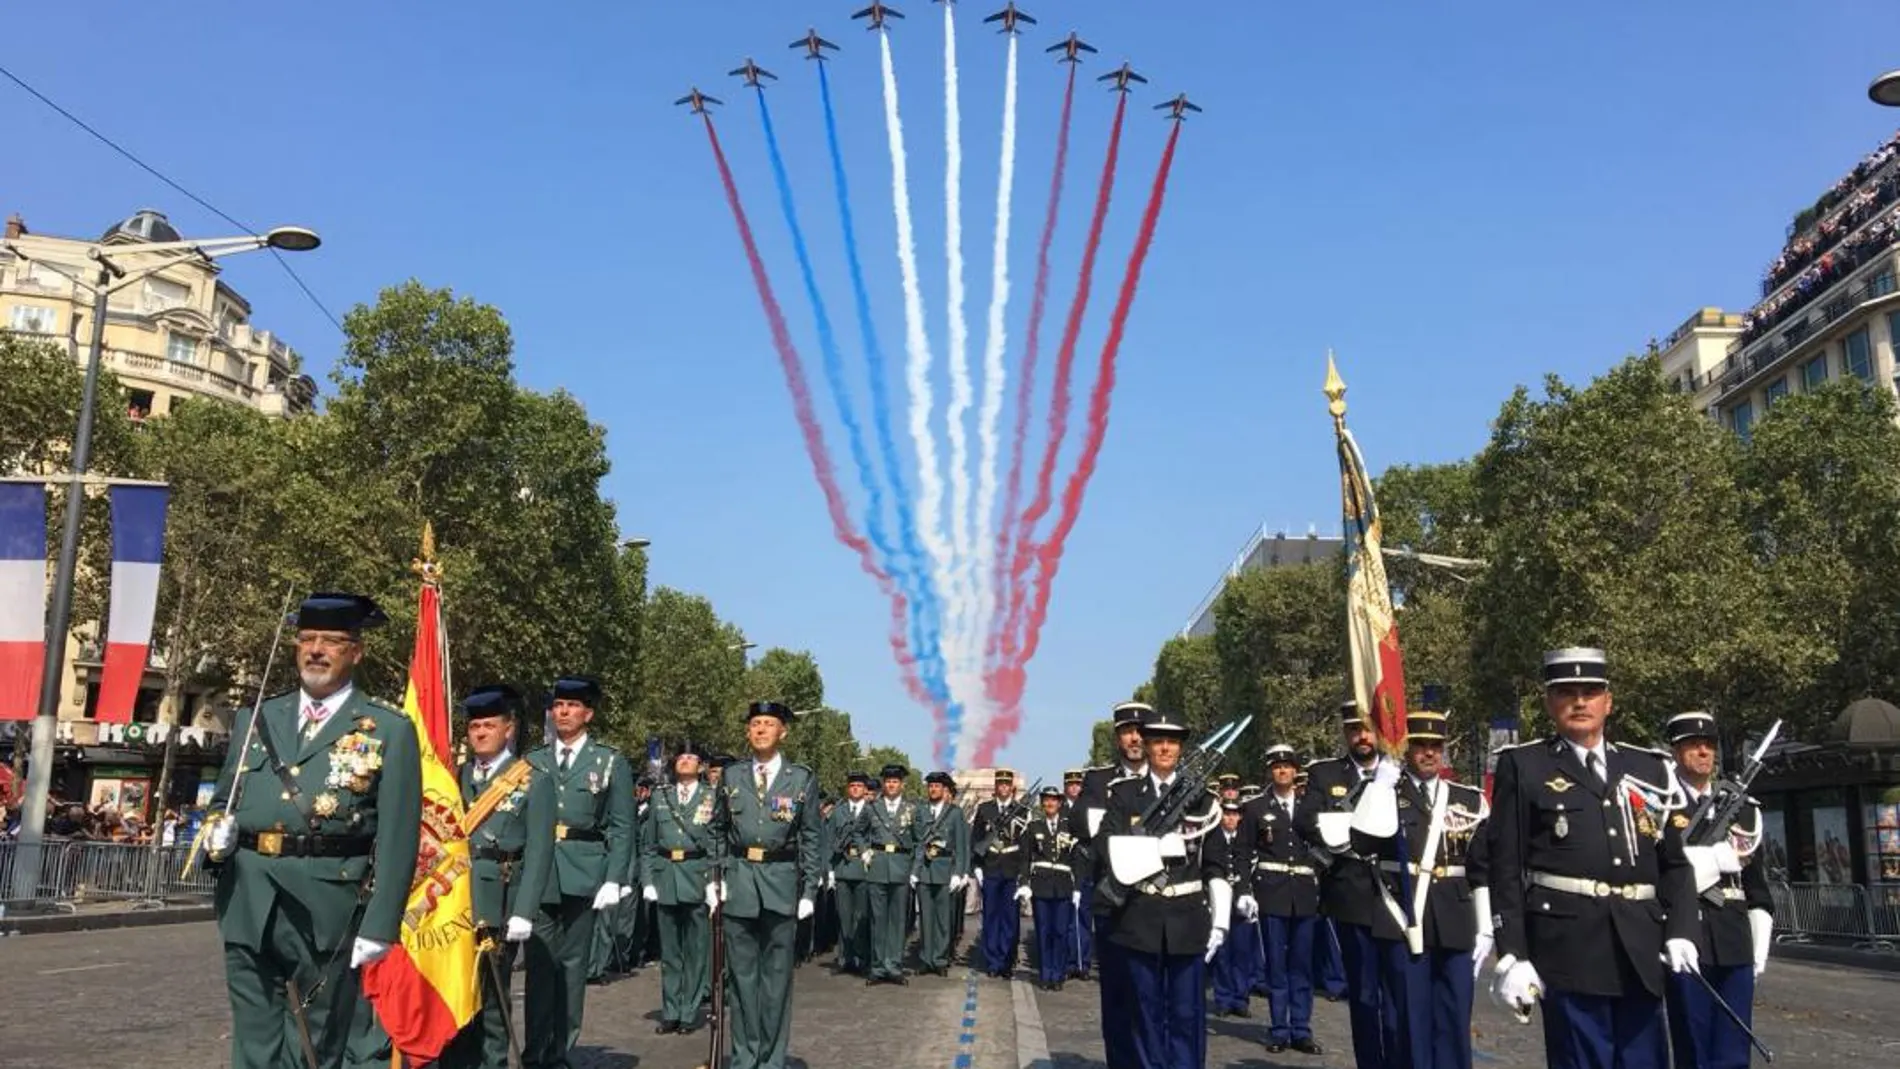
1761 925
1075 899
712 896
805 908
1479 953
365 951
1727 860
1481 905
1220 900
913 880
956 884
519 929
831 881
607 897
221 837
1707 867
1022 894
1682 956
1247 908
1172 845
651 893
1518 986
1215 937
977 874
1387 774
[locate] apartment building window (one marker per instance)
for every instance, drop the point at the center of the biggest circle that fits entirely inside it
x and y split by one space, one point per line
1740 418
180 349
32 319
161 294
1814 373
1893 334
1857 355
1775 391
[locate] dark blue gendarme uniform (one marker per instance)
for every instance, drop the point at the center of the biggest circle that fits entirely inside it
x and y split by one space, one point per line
1085 883
1085 818
1584 871
1163 931
1234 963
996 852
1734 934
1053 856
1286 888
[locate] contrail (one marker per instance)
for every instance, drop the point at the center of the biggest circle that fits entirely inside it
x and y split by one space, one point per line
808 426
984 609
917 349
962 610
925 608
1049 552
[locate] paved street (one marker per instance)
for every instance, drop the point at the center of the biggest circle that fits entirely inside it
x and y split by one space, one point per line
153 998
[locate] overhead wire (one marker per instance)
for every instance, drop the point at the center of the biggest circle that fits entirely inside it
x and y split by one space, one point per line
188 194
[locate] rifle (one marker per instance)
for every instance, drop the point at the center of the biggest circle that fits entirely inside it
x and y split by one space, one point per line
1166 812
1715 814
717 1023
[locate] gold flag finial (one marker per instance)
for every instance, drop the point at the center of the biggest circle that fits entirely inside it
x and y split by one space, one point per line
1335 389
426 565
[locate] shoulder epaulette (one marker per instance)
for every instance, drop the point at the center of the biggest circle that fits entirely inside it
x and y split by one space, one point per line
1318 761
386 707
285 693
1521 745
1098 768
1126 779
1632 747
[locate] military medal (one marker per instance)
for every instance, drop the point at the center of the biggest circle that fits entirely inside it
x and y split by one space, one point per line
1562 827
324 805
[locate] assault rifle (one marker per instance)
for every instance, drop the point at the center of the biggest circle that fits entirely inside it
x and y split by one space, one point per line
1715 814
1167 811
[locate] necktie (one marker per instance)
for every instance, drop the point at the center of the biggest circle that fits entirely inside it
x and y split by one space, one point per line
762 779
481 774
313 717
686 792
1596 768
567 758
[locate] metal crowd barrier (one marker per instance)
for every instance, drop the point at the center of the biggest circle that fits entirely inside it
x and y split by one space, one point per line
1865 917
76 872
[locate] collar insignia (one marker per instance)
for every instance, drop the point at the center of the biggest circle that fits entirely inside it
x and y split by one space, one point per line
1560 784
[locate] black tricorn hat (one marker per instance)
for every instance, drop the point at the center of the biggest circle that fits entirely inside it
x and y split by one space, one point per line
944 778
330 611
583 689
894 772
498 699
774 709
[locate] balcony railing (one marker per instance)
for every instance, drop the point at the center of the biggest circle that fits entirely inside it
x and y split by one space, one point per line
1744 365
1883 180
197 379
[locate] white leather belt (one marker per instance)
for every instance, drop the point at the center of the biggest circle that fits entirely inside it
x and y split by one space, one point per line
1733 894
1058 866
1002 849
1635 892
1281 866
1173 890
1439 873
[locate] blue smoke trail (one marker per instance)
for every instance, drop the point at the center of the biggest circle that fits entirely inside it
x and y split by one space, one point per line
923 639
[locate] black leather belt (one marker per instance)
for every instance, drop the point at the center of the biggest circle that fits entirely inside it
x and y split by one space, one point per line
578 835
496 853
285 844
762 853
681 854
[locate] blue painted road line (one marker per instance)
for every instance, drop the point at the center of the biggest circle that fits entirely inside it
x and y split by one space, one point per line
966 1039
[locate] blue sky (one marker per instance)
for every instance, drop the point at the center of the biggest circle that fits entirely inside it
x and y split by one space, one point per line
1456 198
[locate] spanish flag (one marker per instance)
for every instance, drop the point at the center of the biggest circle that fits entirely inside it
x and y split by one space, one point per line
426 990
1378 672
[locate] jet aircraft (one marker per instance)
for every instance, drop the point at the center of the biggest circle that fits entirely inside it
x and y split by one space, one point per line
698 100
751 72
1009 17
1071 48
877 13
1180 107
1121 76
813 45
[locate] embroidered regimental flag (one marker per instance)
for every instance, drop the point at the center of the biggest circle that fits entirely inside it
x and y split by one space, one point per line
138 544
22 598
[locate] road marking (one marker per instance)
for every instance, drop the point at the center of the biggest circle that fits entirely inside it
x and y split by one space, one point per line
82 968
966 1029
1032 1043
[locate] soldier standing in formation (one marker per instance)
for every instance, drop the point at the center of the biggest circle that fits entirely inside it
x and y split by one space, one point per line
1738 921
1053 857
675 841
1233 963
1091 807
510 828
331 797
594 845
943 859
847 876
999 866
1286 891
884 842
768 849
1085 883
1592 889
1349 892
1170 923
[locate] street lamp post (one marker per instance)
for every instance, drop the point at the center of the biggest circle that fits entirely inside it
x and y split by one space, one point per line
1885 90
112 277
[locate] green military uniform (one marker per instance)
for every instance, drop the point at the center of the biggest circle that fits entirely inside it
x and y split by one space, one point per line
615 948
768 847
675 844
335 805
943 853
513 853
854 918
594 843
886 840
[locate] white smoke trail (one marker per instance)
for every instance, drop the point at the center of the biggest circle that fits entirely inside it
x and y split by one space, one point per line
994 376
962 612
916 341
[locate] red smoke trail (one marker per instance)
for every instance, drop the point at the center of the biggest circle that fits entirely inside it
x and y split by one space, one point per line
808 426
1026 382
1049 551
1059 396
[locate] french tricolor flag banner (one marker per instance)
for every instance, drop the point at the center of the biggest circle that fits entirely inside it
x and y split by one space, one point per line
138 544
22 598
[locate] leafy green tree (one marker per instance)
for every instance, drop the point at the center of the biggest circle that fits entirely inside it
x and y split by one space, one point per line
877 757
1280 635
786 676
1429 508
1187 681
1616 519
1821 482
1102 741
822 741
691 673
